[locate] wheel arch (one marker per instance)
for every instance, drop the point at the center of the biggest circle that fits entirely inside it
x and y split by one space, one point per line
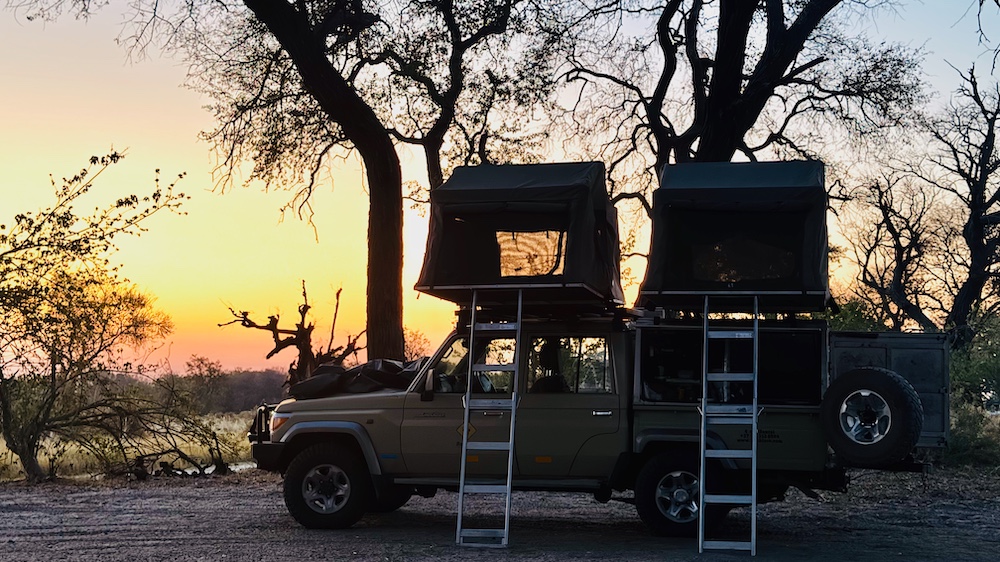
652 442
303 435
655 441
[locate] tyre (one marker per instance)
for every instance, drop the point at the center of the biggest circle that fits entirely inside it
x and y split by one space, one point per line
327 487
667 495
871 417
393 498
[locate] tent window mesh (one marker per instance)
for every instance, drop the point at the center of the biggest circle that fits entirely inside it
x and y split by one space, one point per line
527 254
739 259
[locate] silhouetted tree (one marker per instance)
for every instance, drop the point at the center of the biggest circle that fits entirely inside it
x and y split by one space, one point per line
300 338
69 323
417 344
933 251
298 84
716 79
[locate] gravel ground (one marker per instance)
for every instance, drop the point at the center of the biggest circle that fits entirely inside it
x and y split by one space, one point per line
949 515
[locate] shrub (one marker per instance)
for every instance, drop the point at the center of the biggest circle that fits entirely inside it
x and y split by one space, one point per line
975 436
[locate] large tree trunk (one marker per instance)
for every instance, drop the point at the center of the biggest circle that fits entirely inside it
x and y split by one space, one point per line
33 471
359 123
971 290
735 101
385 255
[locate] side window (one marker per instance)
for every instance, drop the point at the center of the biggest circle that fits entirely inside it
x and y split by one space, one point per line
671 365
569 364
452 369
451 364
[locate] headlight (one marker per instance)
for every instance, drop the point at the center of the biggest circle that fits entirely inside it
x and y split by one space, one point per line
278 420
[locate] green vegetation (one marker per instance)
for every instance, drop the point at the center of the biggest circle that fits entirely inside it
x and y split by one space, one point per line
975 436
72 329
975 390
219 406
65 459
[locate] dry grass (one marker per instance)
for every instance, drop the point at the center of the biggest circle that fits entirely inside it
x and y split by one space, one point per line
71 460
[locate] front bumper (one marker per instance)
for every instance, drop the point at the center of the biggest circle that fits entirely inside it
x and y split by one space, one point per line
268 455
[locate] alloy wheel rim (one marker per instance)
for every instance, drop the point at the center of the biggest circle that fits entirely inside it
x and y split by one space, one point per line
677 496
326 488
865 417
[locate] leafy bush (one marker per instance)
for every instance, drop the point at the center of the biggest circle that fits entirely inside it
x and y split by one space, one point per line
975 436
975 372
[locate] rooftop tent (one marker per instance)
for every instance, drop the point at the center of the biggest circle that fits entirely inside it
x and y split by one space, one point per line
546 228
739 228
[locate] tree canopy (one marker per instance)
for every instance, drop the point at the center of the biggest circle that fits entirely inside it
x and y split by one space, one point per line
70 325
702 80
931 255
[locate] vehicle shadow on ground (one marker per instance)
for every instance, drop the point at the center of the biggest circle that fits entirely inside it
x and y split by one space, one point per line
813 532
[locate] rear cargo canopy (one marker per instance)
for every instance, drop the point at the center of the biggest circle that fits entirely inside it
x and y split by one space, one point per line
538 227
744 228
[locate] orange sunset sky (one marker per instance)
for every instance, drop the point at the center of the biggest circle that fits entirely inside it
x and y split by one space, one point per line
68 92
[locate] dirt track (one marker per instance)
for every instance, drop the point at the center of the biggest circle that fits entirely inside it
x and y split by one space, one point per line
946 516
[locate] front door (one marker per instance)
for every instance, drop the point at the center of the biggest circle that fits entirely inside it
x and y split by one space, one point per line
432 430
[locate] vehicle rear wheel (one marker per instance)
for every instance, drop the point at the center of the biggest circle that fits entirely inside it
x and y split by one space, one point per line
667 495
871 417
327 487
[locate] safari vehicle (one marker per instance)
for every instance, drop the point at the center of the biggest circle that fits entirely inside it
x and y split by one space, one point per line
718 391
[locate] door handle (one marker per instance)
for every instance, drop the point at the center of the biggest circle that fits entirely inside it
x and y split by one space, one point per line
602 413
493 413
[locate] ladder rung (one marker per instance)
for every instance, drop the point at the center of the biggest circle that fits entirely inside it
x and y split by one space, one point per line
490 538
746 409
731 377
488 445
720 334
491 404
730 420
496 326
728 545
738 499
492 533
485 489
729 454
486 367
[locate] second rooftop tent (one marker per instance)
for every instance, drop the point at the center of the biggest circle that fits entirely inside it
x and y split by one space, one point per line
732 228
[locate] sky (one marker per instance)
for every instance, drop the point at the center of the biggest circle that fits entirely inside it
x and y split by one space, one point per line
67 91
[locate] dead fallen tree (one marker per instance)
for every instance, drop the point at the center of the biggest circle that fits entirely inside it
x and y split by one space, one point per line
300 338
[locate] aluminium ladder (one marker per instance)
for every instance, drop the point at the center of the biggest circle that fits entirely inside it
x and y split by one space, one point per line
715 413
496 537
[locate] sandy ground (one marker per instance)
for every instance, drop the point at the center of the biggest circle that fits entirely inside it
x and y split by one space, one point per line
945 516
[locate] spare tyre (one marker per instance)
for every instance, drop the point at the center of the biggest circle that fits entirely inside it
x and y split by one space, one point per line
871 417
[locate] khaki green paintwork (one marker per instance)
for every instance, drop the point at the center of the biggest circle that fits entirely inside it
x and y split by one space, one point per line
560 437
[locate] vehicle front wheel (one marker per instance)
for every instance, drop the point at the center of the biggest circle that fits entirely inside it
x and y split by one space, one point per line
668 496
327 487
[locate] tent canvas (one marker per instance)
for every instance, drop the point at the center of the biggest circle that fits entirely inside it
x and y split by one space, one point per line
739 228
538 227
